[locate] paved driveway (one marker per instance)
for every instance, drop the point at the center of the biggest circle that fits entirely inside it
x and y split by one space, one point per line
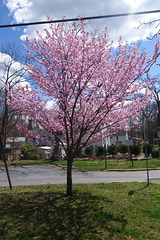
43 174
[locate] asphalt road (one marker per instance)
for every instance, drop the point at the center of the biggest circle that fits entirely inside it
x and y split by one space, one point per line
36 175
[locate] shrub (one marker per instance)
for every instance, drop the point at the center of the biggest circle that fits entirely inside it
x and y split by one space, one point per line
122 148
79 154
100 151
155 152
135 150
102 157
149 149
35 156
112 150
29 152
89 151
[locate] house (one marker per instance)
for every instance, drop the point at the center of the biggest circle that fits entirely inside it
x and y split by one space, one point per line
12 153
15 141
45 150
119 138
12 149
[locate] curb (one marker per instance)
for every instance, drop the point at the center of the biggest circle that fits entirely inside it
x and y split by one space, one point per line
131 170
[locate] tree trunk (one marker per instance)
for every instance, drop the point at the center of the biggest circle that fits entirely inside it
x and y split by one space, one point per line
2 154
55 156
69 176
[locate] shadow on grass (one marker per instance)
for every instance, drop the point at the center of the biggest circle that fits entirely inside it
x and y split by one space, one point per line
133 191
48 215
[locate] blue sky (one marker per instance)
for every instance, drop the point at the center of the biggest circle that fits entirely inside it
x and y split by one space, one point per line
8 35
18 11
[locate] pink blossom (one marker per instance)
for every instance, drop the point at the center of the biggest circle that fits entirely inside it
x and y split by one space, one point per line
88 81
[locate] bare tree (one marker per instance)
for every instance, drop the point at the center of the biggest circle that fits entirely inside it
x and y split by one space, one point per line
155 22
151 114
155 87
148 116
13 72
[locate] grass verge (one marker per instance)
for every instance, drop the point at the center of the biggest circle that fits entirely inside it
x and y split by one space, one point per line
112 211
92 165
99 165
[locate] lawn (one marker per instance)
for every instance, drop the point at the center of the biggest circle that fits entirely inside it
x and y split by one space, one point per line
99 165
93 165
112 211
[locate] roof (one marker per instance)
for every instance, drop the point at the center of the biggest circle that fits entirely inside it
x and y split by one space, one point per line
17 139
45 148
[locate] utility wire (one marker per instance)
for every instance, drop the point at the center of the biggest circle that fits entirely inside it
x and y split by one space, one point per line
81 18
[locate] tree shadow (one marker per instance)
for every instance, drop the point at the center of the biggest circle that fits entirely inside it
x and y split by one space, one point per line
130 193
54 216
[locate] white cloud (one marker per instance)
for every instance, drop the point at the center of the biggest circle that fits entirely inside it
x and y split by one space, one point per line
15 70
36 10
51 104
134 4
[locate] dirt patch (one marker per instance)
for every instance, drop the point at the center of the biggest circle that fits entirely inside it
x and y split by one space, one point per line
92 162
114 164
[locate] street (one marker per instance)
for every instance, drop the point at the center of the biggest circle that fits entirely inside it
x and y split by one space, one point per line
43 174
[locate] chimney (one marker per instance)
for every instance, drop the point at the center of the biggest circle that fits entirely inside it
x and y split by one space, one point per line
30 124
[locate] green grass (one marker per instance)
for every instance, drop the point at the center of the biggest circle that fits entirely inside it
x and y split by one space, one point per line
112 211
25 162
99 165
93 165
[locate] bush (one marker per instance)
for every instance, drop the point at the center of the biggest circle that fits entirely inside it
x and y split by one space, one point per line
135 150
89 151
35 156
155 152
112 150
149 149
100 151
79 154
29 152
122 148
102 157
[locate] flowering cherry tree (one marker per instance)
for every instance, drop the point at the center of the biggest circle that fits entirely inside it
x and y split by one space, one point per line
91 84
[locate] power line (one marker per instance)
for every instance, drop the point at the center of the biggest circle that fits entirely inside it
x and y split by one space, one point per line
77 19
